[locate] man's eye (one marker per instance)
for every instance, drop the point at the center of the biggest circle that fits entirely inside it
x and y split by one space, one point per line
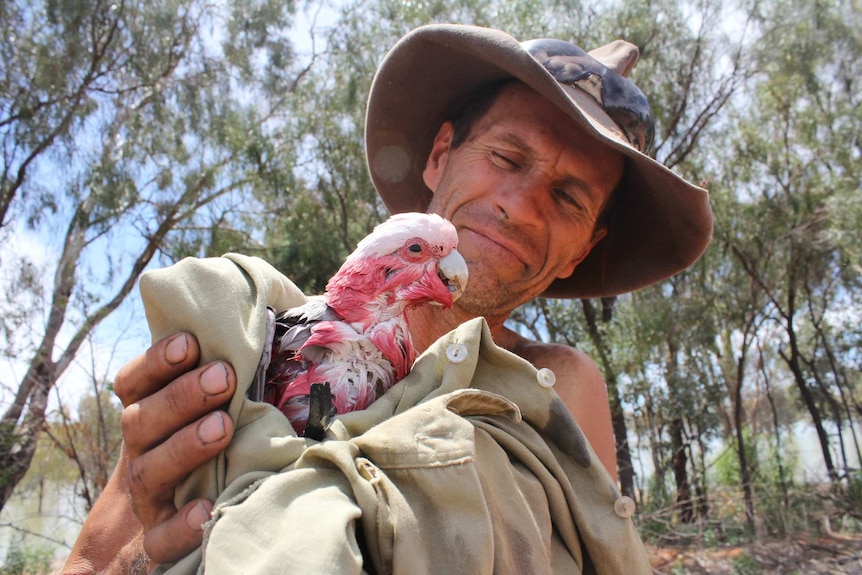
504 161
565 197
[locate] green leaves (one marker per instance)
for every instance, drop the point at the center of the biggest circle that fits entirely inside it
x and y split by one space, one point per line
125 127
178 127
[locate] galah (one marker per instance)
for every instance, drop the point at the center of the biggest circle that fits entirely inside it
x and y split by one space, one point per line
340 352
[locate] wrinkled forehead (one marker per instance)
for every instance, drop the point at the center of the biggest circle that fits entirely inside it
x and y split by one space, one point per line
524 119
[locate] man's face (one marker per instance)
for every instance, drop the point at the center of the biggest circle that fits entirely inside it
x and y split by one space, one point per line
524 191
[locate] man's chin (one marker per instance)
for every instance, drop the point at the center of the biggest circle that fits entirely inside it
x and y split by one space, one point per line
490 302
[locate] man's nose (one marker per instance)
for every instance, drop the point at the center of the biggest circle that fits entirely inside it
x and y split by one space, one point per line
520 203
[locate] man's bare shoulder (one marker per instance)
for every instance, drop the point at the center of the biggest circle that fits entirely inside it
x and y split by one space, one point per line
580 386
566 361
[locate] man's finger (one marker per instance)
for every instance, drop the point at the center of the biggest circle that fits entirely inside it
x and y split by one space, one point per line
163 362
179 535
154 474
154 418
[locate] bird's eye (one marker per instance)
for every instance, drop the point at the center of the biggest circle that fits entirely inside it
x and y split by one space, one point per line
415 248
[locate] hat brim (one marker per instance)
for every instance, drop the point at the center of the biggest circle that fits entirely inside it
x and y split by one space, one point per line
661 223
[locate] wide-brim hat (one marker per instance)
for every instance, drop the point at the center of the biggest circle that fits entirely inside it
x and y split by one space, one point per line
661 223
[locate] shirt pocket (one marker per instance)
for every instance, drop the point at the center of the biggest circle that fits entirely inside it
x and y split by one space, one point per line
430 514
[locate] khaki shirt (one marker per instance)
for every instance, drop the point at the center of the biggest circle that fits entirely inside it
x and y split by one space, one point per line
468 465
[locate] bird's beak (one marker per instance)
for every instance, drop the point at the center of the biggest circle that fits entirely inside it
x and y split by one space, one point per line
453 271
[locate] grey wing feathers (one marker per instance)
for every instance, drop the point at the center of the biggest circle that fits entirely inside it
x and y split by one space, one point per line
292 326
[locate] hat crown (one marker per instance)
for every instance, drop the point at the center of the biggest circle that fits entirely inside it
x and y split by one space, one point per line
619 56
602 75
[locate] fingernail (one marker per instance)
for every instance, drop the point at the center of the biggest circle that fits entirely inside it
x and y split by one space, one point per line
211 429
214 379
177 350
197 516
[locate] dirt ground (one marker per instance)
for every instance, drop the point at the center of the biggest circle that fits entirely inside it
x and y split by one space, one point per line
838 554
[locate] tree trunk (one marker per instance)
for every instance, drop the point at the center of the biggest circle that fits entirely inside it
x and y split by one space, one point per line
738 424
625 469
779 459
844 390
679 462
656 445
19 442
792 362
700 487
678 457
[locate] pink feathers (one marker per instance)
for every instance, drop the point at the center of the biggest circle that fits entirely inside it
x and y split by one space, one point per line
356 338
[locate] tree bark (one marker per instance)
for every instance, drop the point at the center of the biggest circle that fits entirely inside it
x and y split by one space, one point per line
679 462
738 423
678 457
625 469
18 442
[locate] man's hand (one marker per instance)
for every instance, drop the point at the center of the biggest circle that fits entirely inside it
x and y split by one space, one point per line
170 427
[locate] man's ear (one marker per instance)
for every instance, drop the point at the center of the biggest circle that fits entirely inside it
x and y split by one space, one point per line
570 269
439 154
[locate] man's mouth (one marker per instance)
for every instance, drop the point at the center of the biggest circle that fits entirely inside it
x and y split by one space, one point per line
502 243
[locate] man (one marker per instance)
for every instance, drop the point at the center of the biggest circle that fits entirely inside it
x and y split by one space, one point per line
536 152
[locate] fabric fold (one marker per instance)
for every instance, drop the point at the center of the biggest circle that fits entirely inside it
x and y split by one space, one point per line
466 466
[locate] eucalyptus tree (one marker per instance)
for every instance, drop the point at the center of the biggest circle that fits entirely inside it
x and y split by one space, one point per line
741 313
129 130
797 172
330 203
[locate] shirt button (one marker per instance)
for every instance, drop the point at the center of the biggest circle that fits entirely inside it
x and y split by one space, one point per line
546 377
456 352
624 507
